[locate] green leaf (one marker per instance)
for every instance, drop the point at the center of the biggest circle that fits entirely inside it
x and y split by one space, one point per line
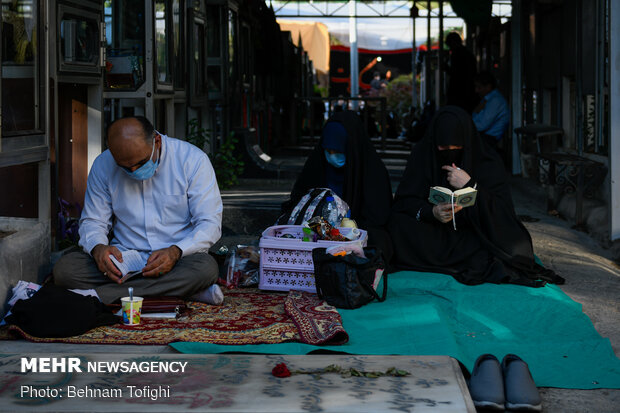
332 368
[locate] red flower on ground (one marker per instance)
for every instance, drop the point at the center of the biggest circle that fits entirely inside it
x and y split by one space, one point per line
280 370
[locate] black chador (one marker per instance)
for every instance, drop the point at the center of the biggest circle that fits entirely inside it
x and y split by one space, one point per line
363 181
489 244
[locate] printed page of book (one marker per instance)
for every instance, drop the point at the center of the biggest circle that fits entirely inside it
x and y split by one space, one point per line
159 315
132 262
464 191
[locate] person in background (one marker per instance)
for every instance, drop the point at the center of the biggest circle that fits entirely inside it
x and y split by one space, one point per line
375 83
461 71
485 242
340 104
346 162
156 195
491 116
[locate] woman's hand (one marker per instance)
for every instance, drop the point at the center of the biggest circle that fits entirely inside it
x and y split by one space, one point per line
443 212
457 177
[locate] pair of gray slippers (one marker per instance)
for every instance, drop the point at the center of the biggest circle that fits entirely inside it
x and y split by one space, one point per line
495 387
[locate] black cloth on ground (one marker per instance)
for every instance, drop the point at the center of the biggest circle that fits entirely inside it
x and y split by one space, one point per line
490 243
366 189
57 312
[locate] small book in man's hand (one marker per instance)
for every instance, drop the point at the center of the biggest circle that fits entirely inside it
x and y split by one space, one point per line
464 197
132 264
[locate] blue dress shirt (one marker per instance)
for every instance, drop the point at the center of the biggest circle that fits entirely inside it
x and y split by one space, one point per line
180 205
493 119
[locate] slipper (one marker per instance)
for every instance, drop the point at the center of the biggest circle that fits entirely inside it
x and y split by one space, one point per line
486 385
521 391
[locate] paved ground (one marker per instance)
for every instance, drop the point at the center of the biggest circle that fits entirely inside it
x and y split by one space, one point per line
593 279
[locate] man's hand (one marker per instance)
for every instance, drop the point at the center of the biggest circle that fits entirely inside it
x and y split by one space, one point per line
443 212
162 261
101 253
456 177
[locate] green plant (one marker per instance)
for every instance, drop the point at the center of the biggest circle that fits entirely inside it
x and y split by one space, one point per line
398 94
197 135
320 91
228 166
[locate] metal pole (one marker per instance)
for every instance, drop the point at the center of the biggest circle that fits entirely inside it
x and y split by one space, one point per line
414 57
614 121
600 73
149 104
427 60
578 78
516 94
383 123
439 87
354 73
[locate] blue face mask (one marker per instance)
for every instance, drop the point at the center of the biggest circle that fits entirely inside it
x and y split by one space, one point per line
337 160
147 170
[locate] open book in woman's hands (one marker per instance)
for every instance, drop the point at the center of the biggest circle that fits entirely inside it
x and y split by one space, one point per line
464 197
132 264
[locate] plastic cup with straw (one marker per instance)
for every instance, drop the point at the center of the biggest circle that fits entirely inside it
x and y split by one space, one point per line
132 307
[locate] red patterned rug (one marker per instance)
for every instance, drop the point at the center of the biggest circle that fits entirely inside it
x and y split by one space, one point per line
248 316
317 322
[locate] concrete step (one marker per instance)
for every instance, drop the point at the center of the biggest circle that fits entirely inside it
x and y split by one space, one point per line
255 204
391 150
294 164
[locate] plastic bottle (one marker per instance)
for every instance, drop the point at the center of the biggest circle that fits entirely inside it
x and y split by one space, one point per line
330 212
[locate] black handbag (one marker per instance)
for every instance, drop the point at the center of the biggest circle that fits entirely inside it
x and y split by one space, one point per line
347 281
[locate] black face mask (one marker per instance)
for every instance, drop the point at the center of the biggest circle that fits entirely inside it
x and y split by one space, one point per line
449 157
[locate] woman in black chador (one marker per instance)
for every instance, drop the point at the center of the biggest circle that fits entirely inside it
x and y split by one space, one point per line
484 242
346 162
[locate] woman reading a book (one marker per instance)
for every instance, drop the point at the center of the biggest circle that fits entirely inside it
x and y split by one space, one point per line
346 162
483 242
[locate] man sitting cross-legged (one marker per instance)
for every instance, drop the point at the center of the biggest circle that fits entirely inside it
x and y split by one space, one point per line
156 195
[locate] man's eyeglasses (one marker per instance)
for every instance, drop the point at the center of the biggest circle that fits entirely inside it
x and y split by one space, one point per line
137 165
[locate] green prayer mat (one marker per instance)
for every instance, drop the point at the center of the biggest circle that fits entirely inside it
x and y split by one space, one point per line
433 314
